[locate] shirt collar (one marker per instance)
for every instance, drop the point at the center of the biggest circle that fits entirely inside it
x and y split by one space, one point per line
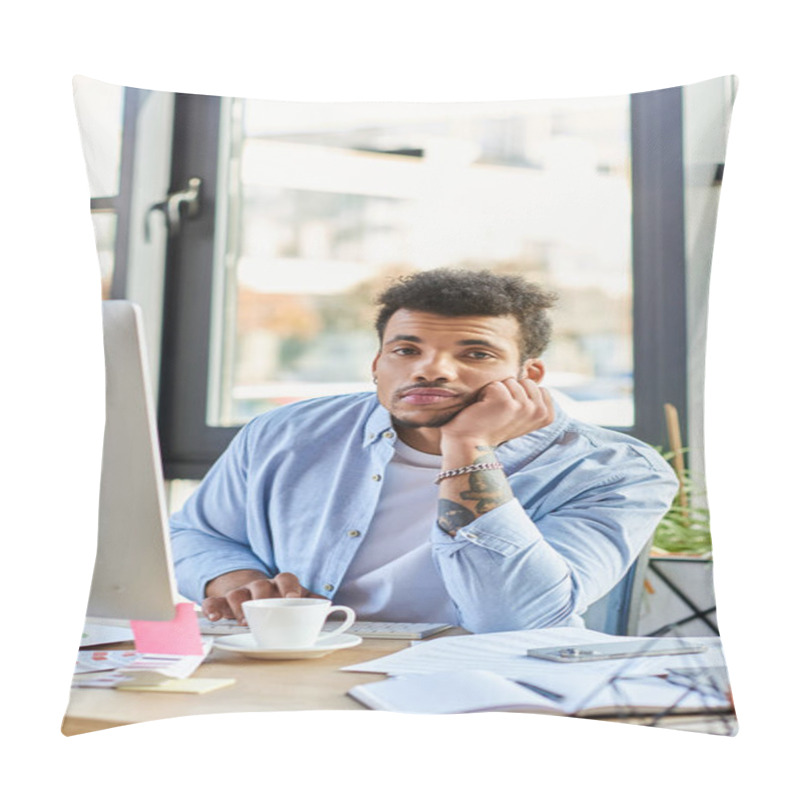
379 425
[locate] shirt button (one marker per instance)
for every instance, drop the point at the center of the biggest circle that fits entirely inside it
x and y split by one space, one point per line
389 434
376 477
328 587
353 534
471 536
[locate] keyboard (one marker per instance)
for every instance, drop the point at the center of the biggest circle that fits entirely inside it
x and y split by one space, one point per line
393 630
220 627
367 630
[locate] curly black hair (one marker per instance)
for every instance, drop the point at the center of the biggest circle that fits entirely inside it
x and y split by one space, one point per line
454 292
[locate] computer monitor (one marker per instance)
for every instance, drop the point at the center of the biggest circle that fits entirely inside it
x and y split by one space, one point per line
133 577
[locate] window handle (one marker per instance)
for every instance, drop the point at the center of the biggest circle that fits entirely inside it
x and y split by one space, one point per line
177 206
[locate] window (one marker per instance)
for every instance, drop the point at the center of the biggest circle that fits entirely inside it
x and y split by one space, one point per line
306 210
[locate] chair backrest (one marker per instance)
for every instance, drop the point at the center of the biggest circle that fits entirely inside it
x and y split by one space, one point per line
618 612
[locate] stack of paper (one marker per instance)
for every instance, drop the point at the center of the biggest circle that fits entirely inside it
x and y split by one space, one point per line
165 655
488 670
113 668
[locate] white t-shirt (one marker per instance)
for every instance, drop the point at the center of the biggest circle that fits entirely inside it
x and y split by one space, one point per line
393 577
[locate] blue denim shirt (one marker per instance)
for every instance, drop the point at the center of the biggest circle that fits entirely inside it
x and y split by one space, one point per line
297 483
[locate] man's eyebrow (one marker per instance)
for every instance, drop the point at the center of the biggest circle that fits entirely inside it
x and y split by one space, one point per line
499 347
403 338
480 343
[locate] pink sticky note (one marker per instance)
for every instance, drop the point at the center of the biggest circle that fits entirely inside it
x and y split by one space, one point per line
179 636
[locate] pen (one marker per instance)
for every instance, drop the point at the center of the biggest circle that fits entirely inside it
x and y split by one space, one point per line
543 692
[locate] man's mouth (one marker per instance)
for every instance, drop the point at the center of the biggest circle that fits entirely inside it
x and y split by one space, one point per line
420 396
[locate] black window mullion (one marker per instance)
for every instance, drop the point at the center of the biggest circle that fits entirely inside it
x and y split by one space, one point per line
659 261
189 446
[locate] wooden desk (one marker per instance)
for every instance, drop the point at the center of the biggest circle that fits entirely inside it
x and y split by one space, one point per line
304 685
314 684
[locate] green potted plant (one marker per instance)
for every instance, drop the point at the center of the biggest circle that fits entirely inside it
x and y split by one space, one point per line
685 527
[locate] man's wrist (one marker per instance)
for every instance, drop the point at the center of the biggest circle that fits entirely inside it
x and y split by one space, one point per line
467 470
458 452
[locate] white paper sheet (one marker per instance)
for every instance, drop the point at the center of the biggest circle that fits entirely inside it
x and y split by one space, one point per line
445 692
581 685
466 691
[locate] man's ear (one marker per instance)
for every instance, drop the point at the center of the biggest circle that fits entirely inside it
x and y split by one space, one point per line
533 368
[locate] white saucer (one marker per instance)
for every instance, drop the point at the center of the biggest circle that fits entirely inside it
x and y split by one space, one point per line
245 644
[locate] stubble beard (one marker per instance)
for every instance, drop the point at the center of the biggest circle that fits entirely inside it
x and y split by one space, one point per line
436 422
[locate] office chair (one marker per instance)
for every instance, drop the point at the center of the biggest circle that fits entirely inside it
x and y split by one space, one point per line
618 612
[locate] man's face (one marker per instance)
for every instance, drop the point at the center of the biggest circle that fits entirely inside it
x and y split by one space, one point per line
430 367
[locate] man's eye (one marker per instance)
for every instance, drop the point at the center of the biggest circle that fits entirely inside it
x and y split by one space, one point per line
404 351
479 355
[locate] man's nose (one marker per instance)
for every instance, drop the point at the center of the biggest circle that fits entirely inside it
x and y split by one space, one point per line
436 367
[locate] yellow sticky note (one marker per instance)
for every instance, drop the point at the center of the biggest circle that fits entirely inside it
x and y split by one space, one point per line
187 685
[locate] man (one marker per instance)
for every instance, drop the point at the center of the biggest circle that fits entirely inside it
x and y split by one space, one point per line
457 492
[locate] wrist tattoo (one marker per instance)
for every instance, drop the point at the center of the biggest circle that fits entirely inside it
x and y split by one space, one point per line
487 490
453 516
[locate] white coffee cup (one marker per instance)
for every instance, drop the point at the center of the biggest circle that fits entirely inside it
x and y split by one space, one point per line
288 622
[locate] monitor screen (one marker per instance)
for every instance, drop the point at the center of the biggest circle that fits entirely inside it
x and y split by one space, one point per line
133 577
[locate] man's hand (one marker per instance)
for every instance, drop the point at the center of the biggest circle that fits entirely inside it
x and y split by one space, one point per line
503 410
226 593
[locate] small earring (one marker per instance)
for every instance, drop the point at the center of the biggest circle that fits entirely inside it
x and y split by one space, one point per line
375 379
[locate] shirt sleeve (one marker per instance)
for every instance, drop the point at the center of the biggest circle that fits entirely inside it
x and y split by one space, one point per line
507 570
209 534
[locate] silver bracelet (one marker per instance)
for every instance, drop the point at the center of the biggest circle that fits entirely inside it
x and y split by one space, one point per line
452 473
